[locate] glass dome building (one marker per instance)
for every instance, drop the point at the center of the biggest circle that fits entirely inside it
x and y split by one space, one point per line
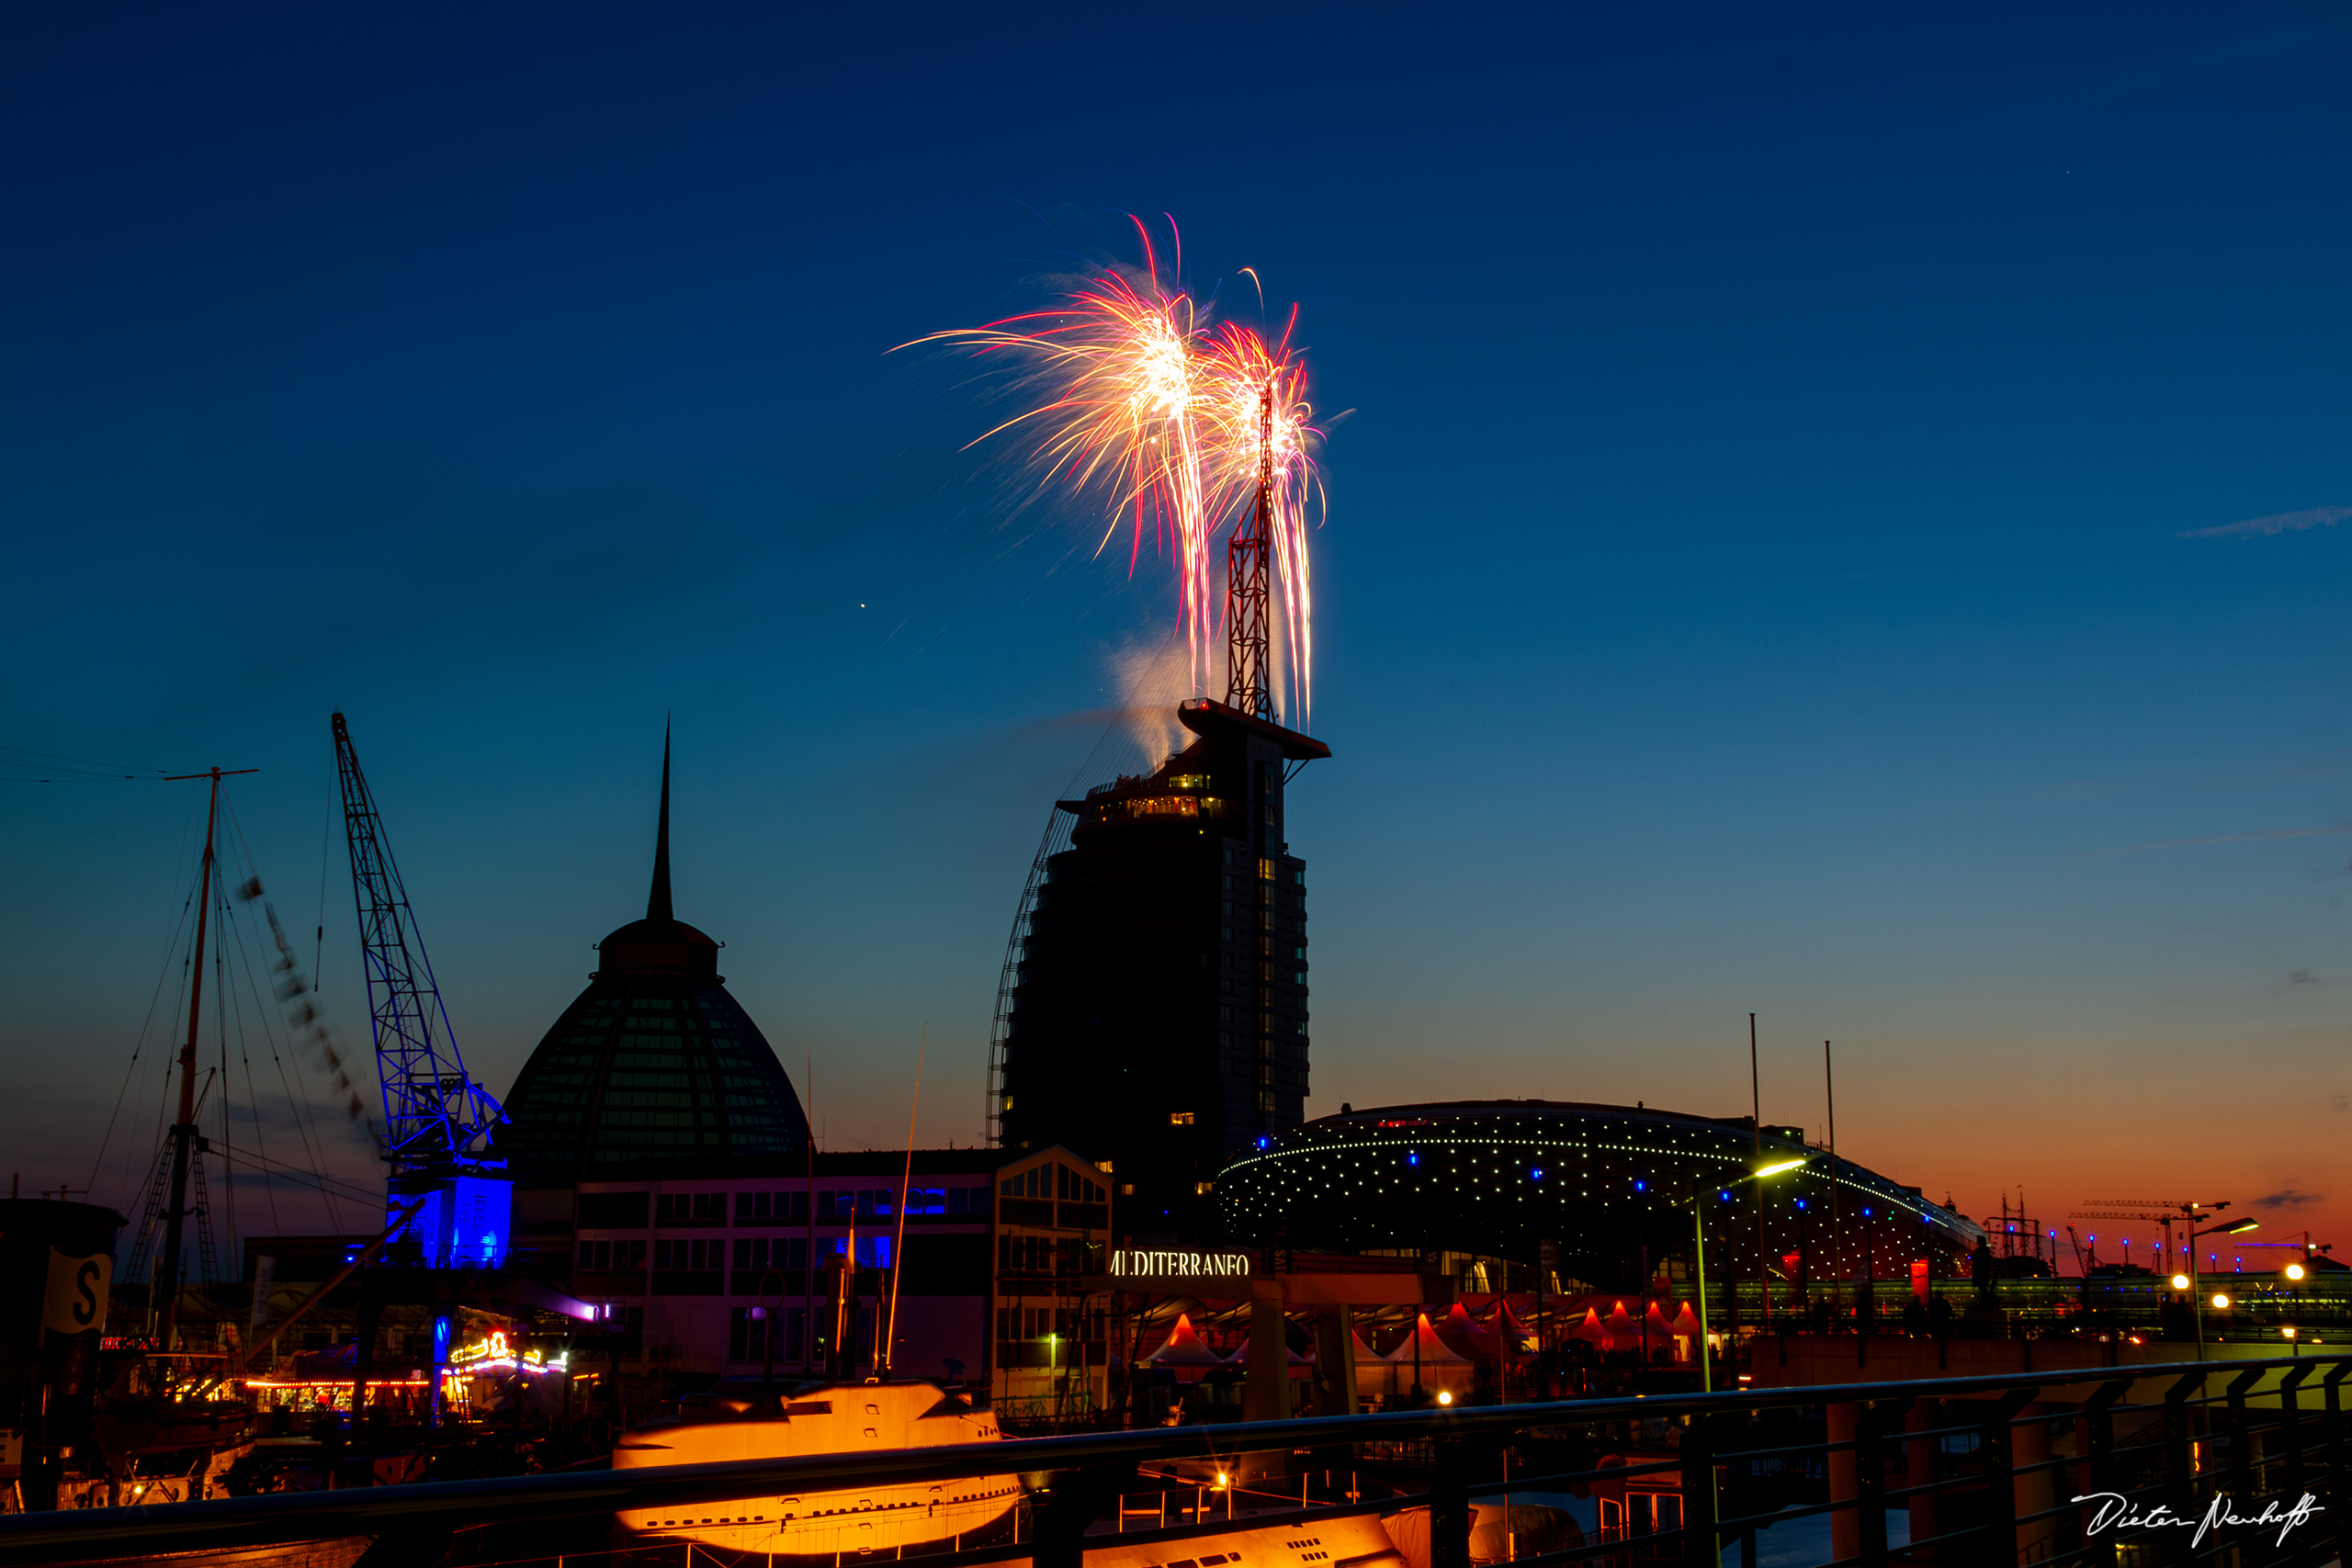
1612 1184
654 1069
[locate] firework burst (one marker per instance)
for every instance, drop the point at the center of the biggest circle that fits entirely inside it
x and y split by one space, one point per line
1138 401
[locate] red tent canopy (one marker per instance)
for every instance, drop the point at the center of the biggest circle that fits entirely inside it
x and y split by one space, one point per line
1505 1321
1183 1347
1433 1350
1462 1331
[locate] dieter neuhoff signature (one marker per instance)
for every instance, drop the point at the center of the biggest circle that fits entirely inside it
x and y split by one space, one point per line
2116 1511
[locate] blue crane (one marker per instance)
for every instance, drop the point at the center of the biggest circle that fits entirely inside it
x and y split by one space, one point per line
437 1120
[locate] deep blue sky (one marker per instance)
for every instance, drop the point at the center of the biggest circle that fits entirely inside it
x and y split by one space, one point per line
1755 575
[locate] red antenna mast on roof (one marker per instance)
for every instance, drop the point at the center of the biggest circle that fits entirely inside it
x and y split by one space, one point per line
1249 682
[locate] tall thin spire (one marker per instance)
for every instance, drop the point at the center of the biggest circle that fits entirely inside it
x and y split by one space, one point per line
657 906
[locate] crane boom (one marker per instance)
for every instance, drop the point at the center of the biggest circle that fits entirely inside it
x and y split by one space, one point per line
437 1117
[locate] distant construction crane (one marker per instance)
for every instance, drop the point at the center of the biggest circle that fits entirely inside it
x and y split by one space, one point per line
2085 1257
2165 1213
437 1120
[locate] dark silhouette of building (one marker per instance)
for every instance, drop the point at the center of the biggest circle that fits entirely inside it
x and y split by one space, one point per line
654 1069
1158 1024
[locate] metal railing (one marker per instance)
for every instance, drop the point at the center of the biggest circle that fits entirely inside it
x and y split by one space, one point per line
2238 1463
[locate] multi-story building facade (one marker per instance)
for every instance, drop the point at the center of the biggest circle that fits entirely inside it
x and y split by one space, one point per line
973 1275
1159 1023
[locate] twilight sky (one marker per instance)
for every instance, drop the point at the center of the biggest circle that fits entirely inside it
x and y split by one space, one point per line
1781 558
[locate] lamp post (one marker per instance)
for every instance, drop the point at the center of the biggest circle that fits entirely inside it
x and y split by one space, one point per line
1699 1268
1699 1259
2196 1296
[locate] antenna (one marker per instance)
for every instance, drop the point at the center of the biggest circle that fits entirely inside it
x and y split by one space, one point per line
1249 683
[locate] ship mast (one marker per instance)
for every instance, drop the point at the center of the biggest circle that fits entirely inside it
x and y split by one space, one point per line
166 1281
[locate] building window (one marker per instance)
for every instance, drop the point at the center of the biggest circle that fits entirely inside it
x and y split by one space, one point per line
759 1208
747 1331
1180 1118
669 1256
606 1256
1201 1189
690 1209
613 1211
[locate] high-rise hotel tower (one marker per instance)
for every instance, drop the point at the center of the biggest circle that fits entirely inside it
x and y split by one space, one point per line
1158 1019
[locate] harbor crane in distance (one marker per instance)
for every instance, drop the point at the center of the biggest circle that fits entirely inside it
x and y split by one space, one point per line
437 1120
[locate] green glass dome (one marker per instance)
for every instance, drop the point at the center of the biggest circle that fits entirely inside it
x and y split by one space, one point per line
654 1069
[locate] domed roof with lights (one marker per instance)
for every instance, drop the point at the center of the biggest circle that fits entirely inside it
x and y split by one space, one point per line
1610 1184
654 1069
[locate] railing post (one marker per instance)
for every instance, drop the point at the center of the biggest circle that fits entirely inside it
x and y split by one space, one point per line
2290 1430
2178 1472
1072 1498
1449 1513
2099 1425
1919 1469
2242 1481
2338 1503
1700 1509
1870 1475
1997 1445
1842 1466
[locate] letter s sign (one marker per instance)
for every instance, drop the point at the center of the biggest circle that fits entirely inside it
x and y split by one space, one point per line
77 1299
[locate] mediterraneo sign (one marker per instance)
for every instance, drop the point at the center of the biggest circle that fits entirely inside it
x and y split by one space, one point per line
1138 1269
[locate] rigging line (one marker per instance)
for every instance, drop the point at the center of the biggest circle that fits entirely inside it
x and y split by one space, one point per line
321 1186
85 761
203 1091
140 1044
126 778
170 1058
304 1176
253 1095
319 948
291 1172
228 1185
221 1005
312 1143
191 878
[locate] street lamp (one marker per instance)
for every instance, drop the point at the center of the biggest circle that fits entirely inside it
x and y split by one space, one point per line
1699 1256
1698 1260
2236 1227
